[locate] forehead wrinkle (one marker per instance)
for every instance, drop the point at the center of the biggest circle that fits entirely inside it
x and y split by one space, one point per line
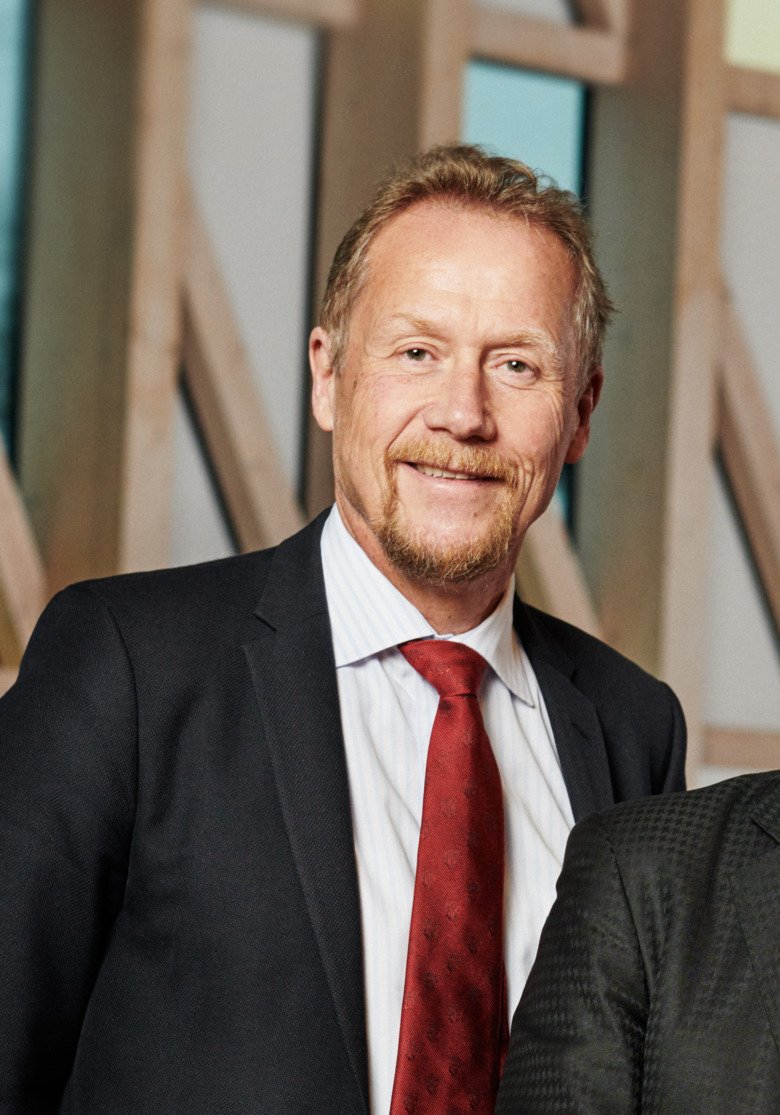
408 322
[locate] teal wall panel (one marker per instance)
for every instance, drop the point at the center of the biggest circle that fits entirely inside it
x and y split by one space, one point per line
537 118
13 56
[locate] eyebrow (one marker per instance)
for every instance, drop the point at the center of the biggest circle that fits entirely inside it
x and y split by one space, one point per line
536 338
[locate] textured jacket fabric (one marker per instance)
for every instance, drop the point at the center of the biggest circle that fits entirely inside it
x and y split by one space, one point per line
656 988
179 914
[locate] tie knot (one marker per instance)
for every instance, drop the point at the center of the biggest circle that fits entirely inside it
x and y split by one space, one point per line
453 669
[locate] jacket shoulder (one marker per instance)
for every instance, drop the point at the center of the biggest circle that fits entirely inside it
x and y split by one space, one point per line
596 665
683 829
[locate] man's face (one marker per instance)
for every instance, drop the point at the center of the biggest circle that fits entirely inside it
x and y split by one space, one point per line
457 400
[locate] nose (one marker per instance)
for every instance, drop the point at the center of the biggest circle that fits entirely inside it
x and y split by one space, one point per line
461 406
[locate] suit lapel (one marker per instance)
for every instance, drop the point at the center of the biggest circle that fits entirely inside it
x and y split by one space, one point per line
294 678
757 894
574 722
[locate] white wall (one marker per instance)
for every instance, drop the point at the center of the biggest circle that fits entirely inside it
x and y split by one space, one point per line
251 141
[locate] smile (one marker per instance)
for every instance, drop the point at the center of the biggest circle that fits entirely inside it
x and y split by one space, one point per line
446 474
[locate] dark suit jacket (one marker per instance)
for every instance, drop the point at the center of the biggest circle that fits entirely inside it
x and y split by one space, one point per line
657 983
179 915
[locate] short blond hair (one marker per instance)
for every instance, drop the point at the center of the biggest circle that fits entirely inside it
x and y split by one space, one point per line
466 175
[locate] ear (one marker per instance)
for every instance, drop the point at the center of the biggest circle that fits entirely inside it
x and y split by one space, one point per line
323 378
587 404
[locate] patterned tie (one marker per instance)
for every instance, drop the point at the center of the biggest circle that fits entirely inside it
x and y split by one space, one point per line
454 1028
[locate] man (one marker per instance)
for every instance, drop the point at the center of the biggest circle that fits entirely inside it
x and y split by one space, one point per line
211 779
657 984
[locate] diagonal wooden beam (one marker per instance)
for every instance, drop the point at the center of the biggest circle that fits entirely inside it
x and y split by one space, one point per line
756 92
22 579
324 13
550 576
258 498
751 455
584 53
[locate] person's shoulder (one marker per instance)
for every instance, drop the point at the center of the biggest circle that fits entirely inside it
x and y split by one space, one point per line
241 572
213 592
597 668
684 827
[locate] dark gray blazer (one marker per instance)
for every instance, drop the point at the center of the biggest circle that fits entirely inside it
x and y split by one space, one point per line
179 916
656 988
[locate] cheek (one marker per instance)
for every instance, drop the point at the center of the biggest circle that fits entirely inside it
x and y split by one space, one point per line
539 429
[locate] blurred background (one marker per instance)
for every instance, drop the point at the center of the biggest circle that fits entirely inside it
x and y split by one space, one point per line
174 178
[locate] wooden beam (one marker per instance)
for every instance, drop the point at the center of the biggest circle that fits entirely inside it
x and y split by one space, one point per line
154 340
696 351
446 35
579 52
22 579
751 456
261 507
549 574
738 747
322 13
605 15
756 92
101 298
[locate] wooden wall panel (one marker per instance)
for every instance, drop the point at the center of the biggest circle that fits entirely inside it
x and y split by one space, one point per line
695 354
580 52
755 92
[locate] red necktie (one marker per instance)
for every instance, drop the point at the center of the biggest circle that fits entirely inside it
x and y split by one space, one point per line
454 1022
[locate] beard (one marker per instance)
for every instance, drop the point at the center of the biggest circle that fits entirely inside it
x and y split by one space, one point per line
441 564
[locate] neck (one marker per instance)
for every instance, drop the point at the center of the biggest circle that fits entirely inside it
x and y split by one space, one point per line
452 609
449 609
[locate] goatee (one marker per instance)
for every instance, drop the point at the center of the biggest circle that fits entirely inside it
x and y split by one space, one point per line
439 564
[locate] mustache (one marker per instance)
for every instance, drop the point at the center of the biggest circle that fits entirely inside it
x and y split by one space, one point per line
474 459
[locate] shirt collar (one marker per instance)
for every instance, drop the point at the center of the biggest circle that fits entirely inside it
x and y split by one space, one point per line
369 615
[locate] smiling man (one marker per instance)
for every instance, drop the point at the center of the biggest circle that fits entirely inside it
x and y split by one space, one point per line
279 833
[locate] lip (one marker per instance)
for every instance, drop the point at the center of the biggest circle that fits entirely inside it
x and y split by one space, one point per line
455 477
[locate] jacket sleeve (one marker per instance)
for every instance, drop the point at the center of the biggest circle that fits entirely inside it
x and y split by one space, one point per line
67 788
577 1036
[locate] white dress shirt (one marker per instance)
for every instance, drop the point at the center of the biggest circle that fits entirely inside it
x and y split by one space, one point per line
387 713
